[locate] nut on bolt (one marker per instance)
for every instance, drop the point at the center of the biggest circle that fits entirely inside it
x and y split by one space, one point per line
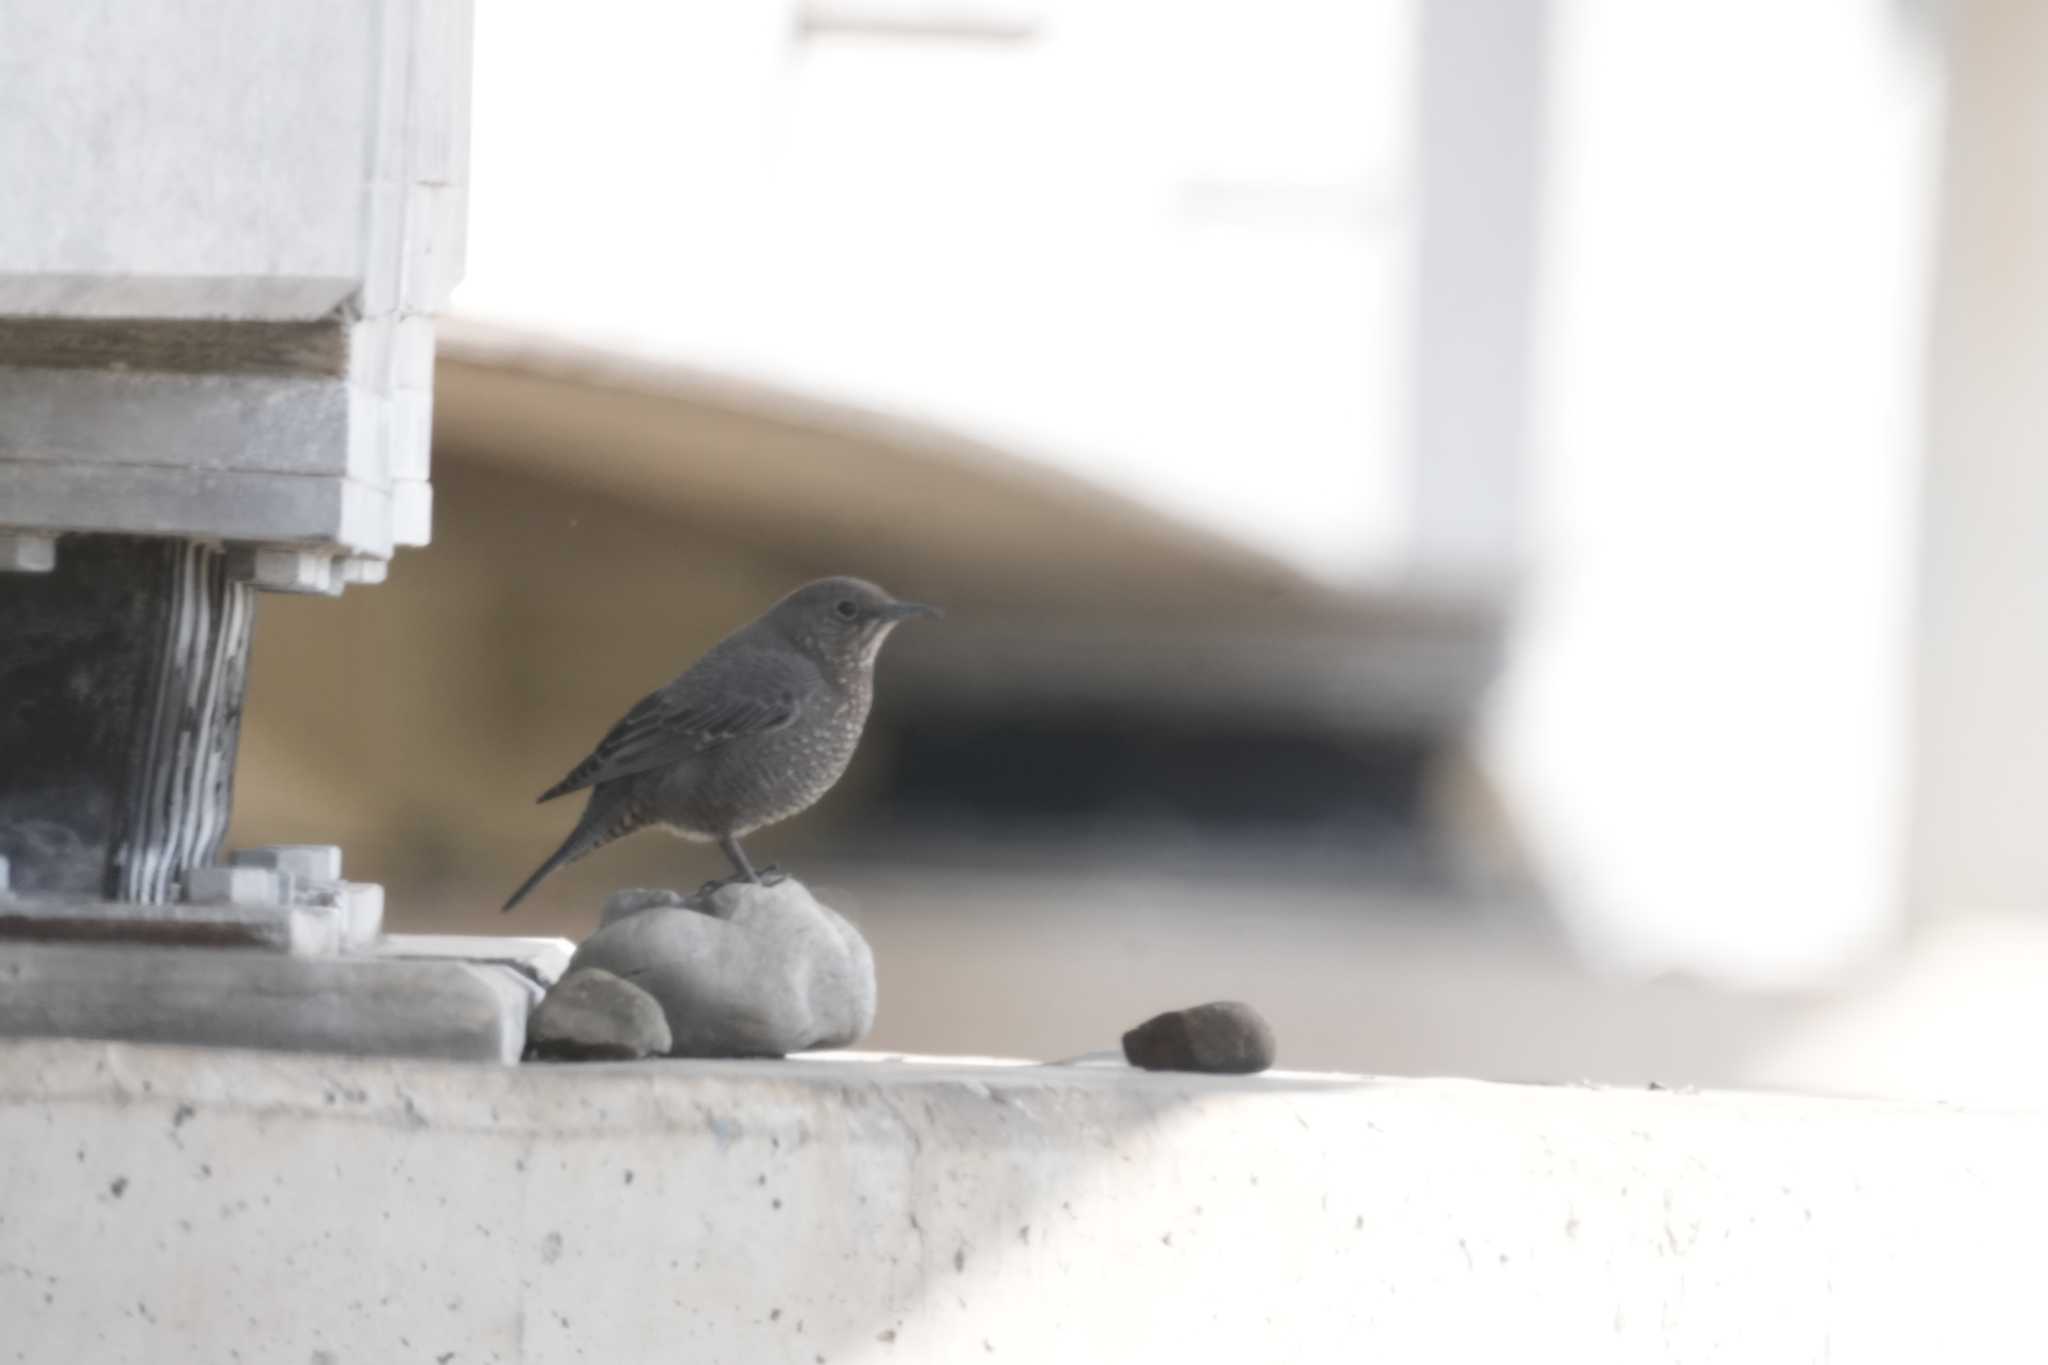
284 568
307 862
27 552
233 885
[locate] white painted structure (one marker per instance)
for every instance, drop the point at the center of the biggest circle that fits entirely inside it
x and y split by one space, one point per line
228 226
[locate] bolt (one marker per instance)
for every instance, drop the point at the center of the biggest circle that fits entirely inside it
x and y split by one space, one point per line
284 569
27 552
237 886
307 862
362 914
362 569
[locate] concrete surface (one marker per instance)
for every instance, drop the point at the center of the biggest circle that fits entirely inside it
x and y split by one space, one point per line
250 159
241 505
303 929
163 1204
540 960
247 997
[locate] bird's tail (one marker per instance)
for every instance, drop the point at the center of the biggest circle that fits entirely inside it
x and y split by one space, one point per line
567 853
598 827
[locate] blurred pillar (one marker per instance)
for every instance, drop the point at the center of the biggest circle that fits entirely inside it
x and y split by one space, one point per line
1481 116
1706 723
1981 758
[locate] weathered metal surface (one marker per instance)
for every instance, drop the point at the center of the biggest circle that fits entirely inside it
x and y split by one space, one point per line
122 675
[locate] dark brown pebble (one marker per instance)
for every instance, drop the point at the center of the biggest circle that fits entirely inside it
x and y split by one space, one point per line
1226 1037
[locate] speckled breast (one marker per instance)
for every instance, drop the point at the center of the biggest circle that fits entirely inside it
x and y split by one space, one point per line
776 775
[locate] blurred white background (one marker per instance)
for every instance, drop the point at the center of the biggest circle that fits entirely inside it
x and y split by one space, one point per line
1697 347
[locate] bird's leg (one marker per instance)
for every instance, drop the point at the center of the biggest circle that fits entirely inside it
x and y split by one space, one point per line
767 876
739 859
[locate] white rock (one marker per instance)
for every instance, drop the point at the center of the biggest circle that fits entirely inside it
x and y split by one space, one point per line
747 971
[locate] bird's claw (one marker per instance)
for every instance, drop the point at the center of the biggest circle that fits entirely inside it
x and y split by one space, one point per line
770 875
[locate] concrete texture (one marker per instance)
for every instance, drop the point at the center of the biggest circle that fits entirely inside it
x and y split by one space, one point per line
255 159
748 971
355 403
289 424
299 442
229 997
303 929
540 960
165 1204
263 507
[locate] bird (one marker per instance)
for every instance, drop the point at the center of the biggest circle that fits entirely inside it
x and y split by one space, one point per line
751 734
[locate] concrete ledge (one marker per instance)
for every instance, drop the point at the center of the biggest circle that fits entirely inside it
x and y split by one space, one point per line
230 997
260 507
281 928
540 960
164 1204
349 922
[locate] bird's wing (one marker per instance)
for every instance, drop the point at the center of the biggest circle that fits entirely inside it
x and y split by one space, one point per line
722 699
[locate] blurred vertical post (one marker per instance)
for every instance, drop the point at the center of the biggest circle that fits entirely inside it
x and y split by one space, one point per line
1707 721
1481 91
1981 757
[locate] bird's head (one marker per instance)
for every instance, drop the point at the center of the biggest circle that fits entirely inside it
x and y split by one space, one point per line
842 620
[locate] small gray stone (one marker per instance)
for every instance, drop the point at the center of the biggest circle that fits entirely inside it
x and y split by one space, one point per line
748 970
592 1015
1226 1037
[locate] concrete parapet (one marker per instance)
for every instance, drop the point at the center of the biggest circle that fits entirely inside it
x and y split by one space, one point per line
166 1204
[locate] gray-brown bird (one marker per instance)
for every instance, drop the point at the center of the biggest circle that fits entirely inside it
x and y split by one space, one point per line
752 733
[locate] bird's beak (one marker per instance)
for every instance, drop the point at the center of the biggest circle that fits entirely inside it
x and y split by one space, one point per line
902 611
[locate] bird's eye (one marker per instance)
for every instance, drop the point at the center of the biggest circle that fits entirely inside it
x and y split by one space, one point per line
847 610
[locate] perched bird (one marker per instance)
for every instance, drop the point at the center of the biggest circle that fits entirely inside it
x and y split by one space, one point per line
752 733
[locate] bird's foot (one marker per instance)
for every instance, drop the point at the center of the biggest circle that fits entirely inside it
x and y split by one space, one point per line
770 875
